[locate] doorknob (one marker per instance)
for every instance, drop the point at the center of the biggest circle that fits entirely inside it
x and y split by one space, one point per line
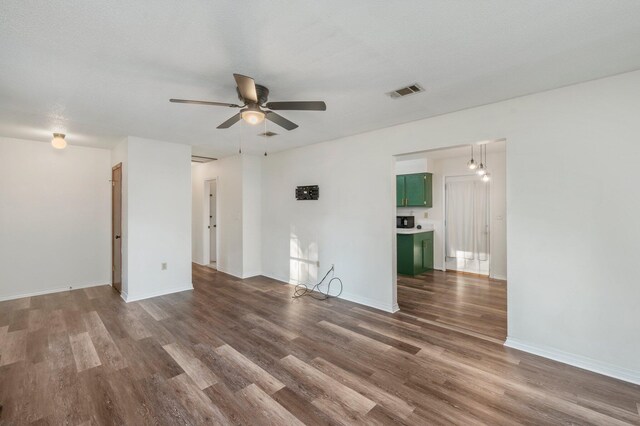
117 237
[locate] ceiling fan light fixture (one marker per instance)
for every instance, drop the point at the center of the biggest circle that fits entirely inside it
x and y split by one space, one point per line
252 116
58 141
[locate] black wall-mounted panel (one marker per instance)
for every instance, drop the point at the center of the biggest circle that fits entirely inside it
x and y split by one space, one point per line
310 192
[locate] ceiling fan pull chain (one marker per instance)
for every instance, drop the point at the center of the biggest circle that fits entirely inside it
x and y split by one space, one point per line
265 139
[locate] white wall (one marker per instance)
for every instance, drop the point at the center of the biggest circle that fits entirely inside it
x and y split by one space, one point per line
238 218
158 217
251 215
571 218
55 218
350 225
457 166
414 165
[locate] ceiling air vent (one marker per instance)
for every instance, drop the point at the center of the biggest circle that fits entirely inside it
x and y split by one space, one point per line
268 134
406 91
200 159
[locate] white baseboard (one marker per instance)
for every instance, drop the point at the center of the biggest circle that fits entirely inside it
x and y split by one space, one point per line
350 297
52 290
127 298
372 303
579 361
250 274
225 271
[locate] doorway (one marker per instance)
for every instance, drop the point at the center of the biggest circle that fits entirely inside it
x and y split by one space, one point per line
466 224
116 227
213 224
461 225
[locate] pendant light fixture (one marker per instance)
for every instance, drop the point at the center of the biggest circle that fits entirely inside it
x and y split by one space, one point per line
482 170
58 141
485 175
472 163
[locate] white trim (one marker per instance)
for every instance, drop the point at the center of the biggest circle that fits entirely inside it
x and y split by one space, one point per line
579 361
225 271
53 290
391 308
250 274
365 301
125 296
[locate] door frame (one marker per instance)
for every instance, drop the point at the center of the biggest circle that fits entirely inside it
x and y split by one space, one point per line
115 232
206 246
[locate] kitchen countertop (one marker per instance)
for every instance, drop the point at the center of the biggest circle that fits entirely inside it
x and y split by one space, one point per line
414 230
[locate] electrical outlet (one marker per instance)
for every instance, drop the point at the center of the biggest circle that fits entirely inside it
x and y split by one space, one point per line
426 215
164 266
318 263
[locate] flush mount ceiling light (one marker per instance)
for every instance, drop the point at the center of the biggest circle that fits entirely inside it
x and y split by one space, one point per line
58 141
472 163
252 115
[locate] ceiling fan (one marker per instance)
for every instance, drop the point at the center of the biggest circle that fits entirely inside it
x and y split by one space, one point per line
255 107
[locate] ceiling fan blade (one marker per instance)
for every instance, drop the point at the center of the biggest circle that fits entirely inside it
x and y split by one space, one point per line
230 122
298 106
247 87
280 120
187 101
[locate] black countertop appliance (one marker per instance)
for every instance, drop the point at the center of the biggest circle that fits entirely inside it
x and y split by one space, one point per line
405 221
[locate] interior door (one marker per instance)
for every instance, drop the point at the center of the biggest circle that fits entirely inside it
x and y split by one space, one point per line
212 223
116 227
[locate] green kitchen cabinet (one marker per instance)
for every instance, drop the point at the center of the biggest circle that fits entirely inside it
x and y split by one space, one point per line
415 253
399 191
414 190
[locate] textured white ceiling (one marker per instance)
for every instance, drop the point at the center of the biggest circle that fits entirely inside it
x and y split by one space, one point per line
101 70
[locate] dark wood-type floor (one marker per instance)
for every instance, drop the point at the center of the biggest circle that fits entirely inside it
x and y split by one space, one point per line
465 302
243 352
